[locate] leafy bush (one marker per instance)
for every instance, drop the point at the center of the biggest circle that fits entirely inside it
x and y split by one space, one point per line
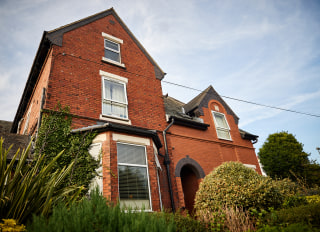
233 184
297 227
26 189
295 200
313 199
96 215
304 214
188 223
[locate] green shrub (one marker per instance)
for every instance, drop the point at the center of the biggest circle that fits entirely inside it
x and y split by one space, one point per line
295 200
304 214
96 215
287 187
297 227
188 223
233 184
313 199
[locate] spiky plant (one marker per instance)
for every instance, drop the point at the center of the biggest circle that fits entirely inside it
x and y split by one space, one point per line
26 189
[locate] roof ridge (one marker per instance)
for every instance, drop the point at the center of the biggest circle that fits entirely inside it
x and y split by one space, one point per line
77 21
174 99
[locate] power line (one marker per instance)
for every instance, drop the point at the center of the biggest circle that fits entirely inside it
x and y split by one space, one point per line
248 102
187 87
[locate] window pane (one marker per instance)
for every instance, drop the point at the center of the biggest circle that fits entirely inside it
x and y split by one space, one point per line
133 187
221 121
114 110
131 154
222 134
111 45
114 91
112 55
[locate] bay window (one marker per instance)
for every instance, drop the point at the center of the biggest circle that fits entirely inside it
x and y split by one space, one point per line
133 177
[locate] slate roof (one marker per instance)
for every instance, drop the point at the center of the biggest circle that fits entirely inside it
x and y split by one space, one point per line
18 141
202 100
187 112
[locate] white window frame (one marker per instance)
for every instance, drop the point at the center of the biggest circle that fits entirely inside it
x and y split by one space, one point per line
221 128
119 80
137 165
116 41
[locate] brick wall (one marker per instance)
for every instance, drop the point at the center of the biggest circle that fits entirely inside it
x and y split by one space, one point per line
75 79
206 148
35 100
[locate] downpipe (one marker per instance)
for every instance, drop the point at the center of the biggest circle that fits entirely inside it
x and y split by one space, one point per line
167 163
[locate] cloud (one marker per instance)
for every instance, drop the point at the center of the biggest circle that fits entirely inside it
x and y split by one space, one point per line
261 51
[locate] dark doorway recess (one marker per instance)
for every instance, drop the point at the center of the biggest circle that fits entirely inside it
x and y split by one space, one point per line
190 186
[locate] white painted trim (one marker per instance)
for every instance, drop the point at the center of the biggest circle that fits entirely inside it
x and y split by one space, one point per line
96 154
112 38
99 138
109 118
250 166
123 81
113 76
145 166
113 62
221 128
130 139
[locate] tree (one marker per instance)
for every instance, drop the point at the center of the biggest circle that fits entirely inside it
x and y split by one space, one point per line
282 156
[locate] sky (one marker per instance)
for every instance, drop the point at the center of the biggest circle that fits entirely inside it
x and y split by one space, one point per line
267 52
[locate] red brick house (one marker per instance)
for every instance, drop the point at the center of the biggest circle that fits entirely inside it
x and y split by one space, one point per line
159 148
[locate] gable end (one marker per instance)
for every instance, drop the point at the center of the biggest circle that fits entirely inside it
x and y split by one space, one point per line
56 36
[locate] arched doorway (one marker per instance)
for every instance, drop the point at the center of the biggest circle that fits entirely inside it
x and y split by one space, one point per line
190 186
190 173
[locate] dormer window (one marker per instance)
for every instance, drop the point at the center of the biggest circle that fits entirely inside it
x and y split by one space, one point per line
112 47
222 127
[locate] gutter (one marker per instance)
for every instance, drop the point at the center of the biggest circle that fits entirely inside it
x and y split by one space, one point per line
124 129
167 163
189 123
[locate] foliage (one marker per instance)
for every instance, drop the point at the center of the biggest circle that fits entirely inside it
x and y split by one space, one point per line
233 184
308 214
312 173
55 135
295 200
313 199
11 225
296 227
186 223
27 189
96 214
282 156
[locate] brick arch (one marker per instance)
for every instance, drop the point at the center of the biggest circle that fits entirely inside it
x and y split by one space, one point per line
192 164
212 104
